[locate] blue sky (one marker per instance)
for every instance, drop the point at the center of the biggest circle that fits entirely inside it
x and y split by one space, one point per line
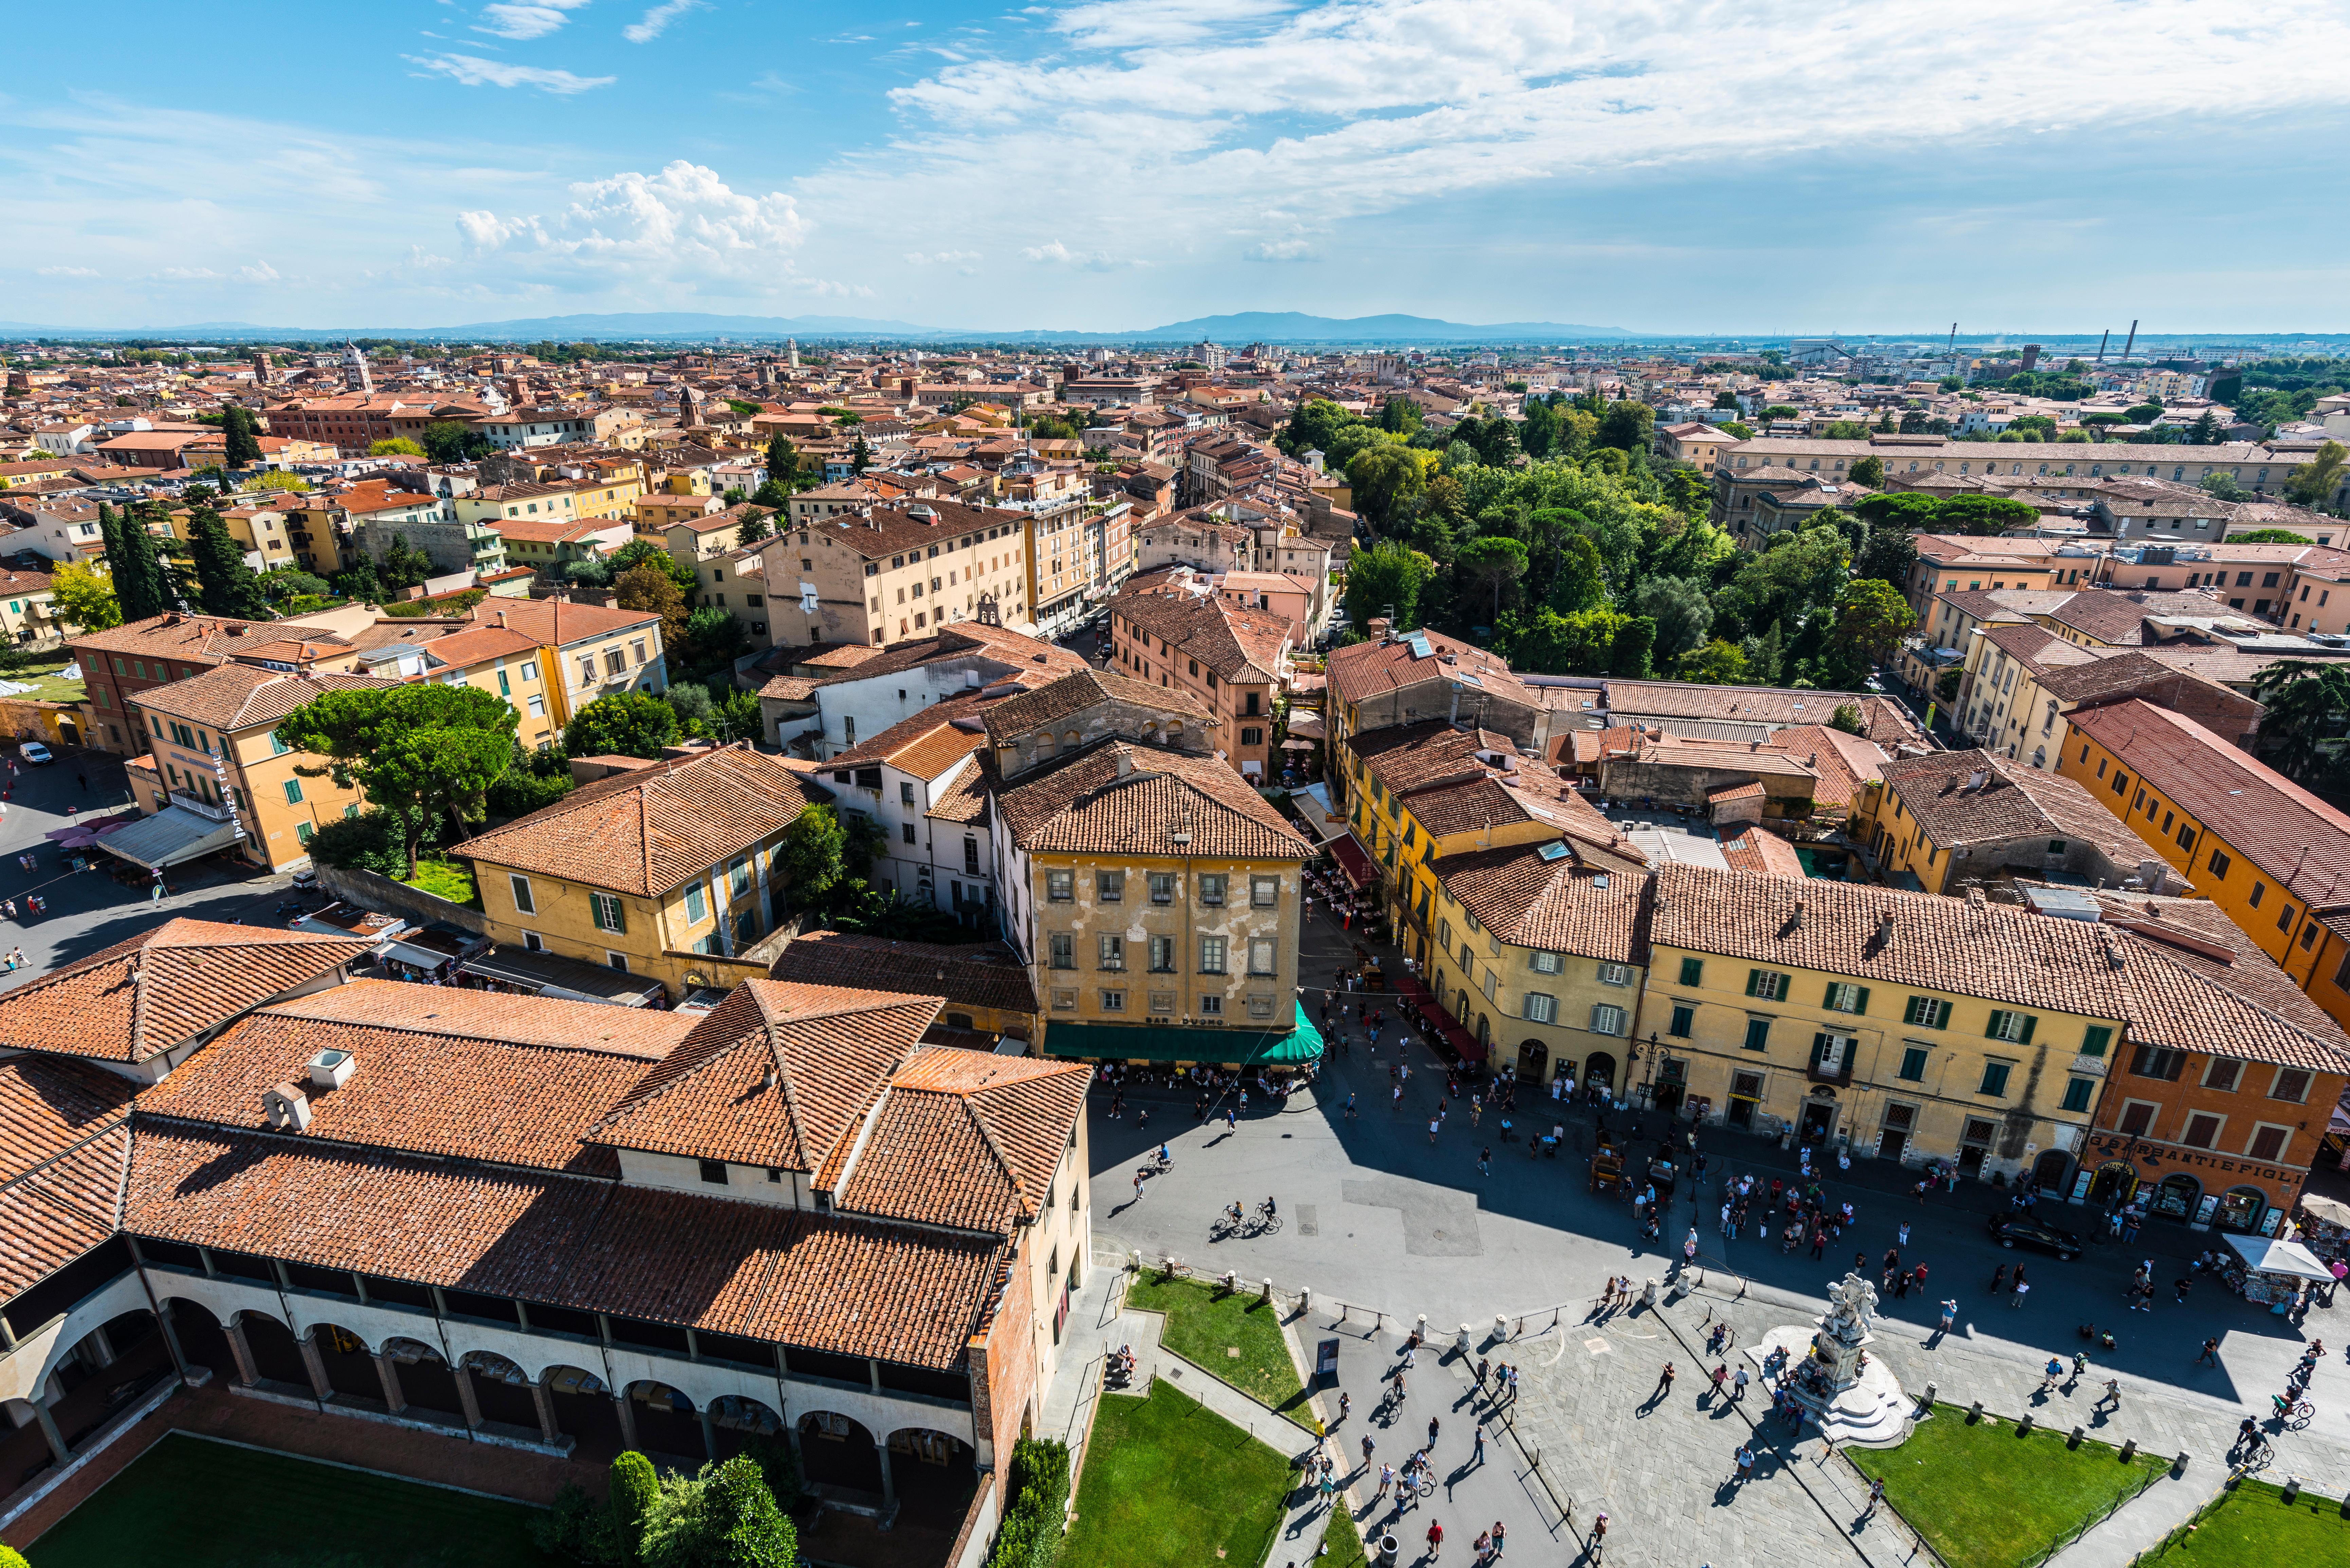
1661 165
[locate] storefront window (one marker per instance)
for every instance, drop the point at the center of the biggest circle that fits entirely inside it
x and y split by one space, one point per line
2241 1208
2175 1199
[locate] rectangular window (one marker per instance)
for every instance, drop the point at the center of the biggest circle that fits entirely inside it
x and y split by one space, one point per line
1265 892
2218 864
1766 985
697 908
1758 1035
2095 1039
1546 964
2260 891
1109 887
1541 1009
1913 1063
738 876
607 912
1927 1012
522 896
616 663
907 828
1994 1078
1615 974
1211 955
1846 997
905 791
1261 955
2202 1130
2268 1142
1606 1020
1064 950
1211 1006
1211 888
1162 886
617 961
2014 1026
2220 1075
293 791
1692 972
1684 1022
1162 955
2154 1062
2292 1084
1060 886
277 747
714 1172
1113 952
588 669
1113 1002
302 831
2078 1092
537 707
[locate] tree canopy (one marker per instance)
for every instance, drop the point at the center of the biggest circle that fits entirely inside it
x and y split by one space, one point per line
416 752
623 724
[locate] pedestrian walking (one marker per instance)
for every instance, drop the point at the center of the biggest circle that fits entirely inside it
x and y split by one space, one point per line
1368 1446
1998 1279
1477 1454
1431 1433
1499 1539
1350 1106
2017 1291
1949 1313
1720 1376
1482 1365
1231 1120
1875 1496
1665 1379
1435 1540
1431 1129
2211 1356
1346 1403
1387 1479
1514 1384
1738 1386
1138 1187
1904 1233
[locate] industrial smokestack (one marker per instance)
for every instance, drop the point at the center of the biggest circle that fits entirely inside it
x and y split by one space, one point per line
2102 338
2131 344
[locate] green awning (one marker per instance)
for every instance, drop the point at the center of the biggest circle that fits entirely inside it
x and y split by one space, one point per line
1166 1043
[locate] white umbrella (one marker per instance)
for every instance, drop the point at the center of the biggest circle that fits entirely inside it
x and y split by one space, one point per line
2271 1257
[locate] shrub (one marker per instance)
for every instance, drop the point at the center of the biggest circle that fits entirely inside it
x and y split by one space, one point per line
633 1490
575 1527
723 1518
776 1462
368 842
1031 1533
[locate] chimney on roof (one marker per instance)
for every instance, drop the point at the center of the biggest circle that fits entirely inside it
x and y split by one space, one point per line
1885 928
1796 921
1975 779
1125 763
286 1107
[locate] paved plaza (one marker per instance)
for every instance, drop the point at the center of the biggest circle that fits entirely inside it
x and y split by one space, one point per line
1383 1225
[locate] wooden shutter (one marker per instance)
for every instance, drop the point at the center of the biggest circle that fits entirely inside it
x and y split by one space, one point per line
1860 1000
1998 1025
1753 982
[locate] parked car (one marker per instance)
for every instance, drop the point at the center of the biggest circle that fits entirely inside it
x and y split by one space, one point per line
34 753
305 881
2030 1231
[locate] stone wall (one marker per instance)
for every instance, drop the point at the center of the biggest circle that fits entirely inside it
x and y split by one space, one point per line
371 891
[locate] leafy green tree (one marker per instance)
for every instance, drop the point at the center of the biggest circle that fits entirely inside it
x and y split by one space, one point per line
1846 718
1402 417
84 597
2206 431
397 446
1681 611
639 551
1715 663
1627 425
772 494
2315 482
861 456
1490 567
1445 499
359 584
228 585
1889 556
632 1488
418 752
782 463
241 435
1780 411
2222 485
1795 576
1766 655
1871 619
811 854
140 585
1579 584
1738 431
2270 536
723 1518
1868 470
402 565
1387 576
1949 383
1383 479
1632 656
1539 434
1541 641
448 441
623 724
1982 515
2144 413
532 781
649 587
2301 735
691 700
753 528
594 572
713 638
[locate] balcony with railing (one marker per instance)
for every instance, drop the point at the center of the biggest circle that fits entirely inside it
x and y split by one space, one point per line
199 805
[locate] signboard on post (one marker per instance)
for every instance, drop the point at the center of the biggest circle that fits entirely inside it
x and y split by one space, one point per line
1326 1360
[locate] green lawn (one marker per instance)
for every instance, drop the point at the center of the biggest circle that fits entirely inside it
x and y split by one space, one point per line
449 880
1343 1541
2253 1527
1205 1326
46 687
1171 1483
2044 1490
189 1503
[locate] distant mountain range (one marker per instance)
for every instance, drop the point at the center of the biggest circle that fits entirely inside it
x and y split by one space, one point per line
1247 327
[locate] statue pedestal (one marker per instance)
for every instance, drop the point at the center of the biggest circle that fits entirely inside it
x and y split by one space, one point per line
1853 1400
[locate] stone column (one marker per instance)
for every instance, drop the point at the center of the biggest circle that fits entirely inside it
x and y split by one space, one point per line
628 1420
387 1372
49 1431
316 1366
709 1436
247 1373
465 1397
544 1397
889 1481
171 1338
101 1346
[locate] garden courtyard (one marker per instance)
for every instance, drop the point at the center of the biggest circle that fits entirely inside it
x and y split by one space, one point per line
1168 1483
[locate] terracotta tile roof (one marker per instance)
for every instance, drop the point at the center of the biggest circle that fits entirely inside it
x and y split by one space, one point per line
235 696
64 1140
826 1048
2145 672
1558 905
1750 846
1084 806
193 639
1407 757
2013 801
155 989
476 644
557 623
985 974
1363 670
2118 617
962 1139
1979 950
2196 935
970 798
931 738
1243 646
1017 651
1012 717
2037 647
646 831
2290 834
1777 706
1843 762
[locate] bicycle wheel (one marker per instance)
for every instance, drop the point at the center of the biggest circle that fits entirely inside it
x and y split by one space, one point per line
1426 1486
1273 1226
2302 1413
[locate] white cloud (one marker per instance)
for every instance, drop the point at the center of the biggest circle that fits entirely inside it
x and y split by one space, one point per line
655 21
532 20
474 71
259 272
1282 251
186 274
1059 254
942 258
683 225
66 272
1123 24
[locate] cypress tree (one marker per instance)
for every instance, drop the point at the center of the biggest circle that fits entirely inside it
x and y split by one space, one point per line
226 586
242 434
138 582
631 1489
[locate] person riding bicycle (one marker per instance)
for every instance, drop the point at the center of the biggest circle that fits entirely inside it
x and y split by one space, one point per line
1232 1213
1269 1210
1164 1158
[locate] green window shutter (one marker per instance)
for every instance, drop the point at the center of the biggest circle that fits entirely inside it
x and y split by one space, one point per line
293 791
1819 1046
1997 1023
2096 1041
1753 982
1692 972
1829 1001
2031 1021
1941 1015
1860 1001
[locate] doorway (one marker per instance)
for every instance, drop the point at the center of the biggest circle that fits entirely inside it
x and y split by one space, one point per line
1745 1095
1893 1137
1534 1060
1599 1071
1973 1146
1818 1121
2114 1182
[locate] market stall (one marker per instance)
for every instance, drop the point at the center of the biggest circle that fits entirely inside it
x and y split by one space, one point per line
2274 1273
2324 1228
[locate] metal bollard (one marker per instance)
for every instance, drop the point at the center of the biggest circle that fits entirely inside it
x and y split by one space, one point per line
1304 1298
1266 1293
1975 1415
2292 1489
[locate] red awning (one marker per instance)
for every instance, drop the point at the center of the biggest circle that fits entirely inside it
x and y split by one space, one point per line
1413 992
1463 1043
1354 860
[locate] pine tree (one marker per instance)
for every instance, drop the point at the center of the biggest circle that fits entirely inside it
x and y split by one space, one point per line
226 583
2206 430
138 582
862 458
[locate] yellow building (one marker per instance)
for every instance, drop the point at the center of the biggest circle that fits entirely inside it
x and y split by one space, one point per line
216 770
611 494
263 530
666 871
2265 851
1895 1024
1518 901
1937 820
28 616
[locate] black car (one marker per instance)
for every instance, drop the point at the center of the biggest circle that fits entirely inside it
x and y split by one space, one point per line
2030 1231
